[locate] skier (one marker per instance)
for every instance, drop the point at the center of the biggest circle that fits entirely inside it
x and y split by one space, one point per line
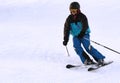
77 25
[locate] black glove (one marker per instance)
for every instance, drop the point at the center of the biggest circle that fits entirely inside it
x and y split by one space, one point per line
65 43
81 35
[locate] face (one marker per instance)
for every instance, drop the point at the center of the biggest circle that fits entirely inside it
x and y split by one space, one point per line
73 11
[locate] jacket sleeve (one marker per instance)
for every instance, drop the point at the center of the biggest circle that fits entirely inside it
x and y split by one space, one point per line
66 30
84 25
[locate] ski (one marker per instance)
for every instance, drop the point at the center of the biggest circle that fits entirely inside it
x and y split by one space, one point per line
68 66
97 67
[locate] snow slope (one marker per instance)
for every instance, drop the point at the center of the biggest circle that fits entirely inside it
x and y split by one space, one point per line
31 35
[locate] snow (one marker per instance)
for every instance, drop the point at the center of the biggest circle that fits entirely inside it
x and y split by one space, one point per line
31 35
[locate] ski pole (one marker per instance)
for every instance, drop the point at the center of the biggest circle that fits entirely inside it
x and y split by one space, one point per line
67 51
103 46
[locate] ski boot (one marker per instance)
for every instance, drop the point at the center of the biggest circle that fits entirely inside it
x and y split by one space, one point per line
89 62
101 62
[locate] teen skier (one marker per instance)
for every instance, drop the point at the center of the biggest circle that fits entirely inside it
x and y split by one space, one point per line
77 25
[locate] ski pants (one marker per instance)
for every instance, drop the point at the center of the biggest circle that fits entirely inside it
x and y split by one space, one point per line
77 42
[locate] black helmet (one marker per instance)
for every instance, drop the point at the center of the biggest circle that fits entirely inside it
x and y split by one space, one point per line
74 5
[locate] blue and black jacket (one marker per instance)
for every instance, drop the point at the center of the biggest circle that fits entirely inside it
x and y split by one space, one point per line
77 25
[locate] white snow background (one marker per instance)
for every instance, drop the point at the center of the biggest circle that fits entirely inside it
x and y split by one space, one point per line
31 35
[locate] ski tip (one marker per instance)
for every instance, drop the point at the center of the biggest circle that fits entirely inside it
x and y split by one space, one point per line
90 69
68 66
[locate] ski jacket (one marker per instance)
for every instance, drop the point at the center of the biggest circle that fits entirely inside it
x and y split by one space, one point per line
76 26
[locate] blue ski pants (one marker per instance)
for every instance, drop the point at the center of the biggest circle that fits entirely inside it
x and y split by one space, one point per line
77 42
